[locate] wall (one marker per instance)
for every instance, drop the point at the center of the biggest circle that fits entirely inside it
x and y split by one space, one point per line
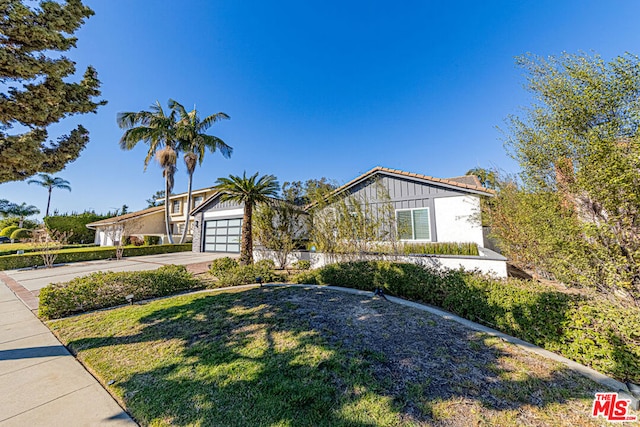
488 262
458 219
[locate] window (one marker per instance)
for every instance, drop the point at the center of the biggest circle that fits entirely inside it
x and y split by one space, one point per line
175 206
197 201
413 224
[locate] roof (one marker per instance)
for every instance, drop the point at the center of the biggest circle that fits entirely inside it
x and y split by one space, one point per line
471 184
126 217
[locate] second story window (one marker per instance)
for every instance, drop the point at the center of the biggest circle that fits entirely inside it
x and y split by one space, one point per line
197 201
175 207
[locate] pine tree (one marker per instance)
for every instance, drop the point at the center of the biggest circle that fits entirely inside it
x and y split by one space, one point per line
34 91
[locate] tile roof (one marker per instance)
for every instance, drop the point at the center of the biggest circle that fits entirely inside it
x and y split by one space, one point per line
121 218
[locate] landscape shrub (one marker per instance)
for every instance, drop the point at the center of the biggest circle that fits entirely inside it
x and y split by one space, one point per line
26 248
151 240
220 265
590 330
303 264
34 259
75 225
14 220
440 248
20 233
230 273
108 289
6 232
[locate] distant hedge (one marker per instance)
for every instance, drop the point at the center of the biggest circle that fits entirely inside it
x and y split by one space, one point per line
37 249
10 262
589 330
75 225
108 289
6 232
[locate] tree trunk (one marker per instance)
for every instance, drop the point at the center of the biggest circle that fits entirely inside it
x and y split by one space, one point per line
246 249
187 210
48 202
166 209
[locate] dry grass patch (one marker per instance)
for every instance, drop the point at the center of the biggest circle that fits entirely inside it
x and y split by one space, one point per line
295 357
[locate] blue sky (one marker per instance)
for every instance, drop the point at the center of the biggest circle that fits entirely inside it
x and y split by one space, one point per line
318 88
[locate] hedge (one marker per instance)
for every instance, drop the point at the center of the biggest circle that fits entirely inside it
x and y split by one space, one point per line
10 262
6 232
587 329
230 273
27 249
108 289
21 233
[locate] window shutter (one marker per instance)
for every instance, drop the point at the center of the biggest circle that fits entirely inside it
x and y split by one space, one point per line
421 224
403 223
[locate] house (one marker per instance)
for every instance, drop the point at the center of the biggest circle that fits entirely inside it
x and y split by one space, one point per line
431 209
150 221
425 209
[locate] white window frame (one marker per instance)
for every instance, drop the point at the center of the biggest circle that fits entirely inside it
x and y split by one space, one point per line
195 201
173 207
413 226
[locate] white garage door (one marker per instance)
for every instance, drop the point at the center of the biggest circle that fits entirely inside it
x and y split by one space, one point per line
222 235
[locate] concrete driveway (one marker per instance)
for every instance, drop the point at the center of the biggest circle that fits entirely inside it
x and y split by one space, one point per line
26 283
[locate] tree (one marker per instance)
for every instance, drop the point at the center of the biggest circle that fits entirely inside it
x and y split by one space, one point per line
49 182
302 193
21 211
249 191
579 144
278 227
194 143
488 178
156 199
35 88
158 130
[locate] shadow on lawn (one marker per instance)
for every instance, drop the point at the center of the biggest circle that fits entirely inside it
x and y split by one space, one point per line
292 357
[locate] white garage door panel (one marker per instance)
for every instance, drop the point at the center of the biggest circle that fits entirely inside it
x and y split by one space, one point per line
222 235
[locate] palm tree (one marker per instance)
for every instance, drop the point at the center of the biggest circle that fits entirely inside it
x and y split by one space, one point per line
249 191
194 142
158 130
49 182
21 211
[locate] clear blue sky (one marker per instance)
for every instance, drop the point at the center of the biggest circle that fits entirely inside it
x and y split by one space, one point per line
319 88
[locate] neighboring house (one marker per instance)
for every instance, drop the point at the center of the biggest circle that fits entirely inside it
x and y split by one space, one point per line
150 222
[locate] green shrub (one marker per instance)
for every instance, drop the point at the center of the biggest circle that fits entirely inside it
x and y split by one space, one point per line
10 262
151 240
230 273
303 264
75 225
220 265
108 289
14 220
6 232
589 330
20 233
440 248
37 249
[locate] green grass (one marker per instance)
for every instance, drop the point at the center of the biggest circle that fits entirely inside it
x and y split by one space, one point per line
249 358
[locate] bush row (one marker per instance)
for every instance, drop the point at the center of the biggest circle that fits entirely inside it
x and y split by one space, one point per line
592 331
38 249
230 273
108 289
10 262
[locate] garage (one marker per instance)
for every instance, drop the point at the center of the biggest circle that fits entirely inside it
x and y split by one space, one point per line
222 235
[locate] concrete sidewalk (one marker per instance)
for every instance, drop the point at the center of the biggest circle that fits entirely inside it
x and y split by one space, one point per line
41 383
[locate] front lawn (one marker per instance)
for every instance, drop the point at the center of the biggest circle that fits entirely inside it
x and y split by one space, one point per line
294 357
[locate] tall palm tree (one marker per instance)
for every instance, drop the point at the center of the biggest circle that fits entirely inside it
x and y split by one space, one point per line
158 130
49 182
249 191
21 211
194 142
